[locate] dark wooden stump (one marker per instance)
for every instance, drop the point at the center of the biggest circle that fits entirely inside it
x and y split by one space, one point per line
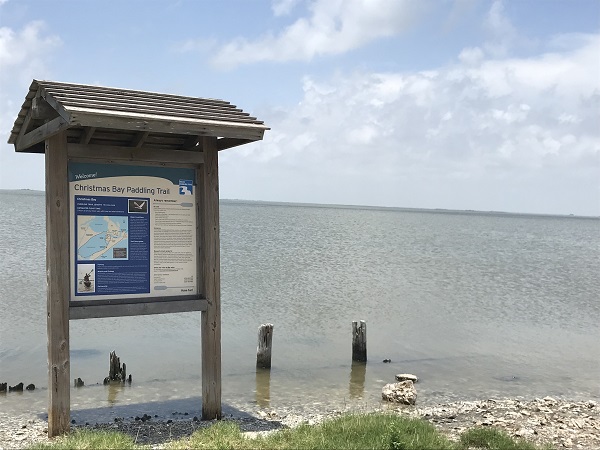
116 371
16 388
265 341
359 341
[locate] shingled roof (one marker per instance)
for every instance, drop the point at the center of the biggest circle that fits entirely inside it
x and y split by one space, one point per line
97 115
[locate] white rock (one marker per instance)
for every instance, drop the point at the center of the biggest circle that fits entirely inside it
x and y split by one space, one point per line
407 376
403 392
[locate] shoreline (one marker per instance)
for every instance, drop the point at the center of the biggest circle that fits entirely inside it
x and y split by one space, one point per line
558 422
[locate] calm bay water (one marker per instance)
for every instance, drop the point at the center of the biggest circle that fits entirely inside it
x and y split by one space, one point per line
476 304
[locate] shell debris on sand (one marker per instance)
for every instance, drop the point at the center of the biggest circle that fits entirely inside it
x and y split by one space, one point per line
561 423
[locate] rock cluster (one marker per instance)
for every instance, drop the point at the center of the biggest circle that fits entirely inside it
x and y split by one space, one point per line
403 392
19 432
563 424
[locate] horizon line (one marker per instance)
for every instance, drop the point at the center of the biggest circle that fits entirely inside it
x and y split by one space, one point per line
404 208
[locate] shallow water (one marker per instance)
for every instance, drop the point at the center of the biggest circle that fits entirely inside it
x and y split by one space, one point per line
476 304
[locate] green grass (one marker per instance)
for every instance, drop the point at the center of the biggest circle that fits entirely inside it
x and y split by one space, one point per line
367 431
417 435
492 439
372 431
86 439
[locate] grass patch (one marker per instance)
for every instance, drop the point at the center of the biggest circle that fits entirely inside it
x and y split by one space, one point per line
492 439
418 435
221 435
365 431
371 431
87 439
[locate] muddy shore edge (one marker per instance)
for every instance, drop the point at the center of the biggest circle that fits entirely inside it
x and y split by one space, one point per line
561 423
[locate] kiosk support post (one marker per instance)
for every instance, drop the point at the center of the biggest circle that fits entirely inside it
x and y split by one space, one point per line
57 273
211 318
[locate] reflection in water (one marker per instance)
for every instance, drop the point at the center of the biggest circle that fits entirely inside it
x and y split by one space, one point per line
263 387
113 391
357 379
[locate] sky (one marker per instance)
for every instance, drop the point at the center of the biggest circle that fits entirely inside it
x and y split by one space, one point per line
464 104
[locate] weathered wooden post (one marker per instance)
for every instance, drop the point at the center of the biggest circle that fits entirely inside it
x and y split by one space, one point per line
265 341
116 370
359 341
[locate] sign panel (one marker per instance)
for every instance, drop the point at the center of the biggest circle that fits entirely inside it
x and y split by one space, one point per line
133 231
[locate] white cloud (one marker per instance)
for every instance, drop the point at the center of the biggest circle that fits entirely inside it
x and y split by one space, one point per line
471 55
503 34
503 37
502 119
498 23
333 27
23 56
283 7
23 52
195 45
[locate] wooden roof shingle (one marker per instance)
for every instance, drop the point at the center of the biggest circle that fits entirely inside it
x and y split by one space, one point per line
130 118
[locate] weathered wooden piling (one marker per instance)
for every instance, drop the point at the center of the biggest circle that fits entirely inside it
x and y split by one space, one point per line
16 388
116 371
359 341
265 341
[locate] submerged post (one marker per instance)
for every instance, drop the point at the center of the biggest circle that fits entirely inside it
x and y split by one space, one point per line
358 372
263 387
265 341
359 341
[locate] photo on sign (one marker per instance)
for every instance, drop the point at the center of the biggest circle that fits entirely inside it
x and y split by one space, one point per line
139 206
86 278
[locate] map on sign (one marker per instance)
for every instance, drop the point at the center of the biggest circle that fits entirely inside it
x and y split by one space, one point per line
102 237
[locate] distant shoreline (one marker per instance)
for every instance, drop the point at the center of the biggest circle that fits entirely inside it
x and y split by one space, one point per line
406 209
371 207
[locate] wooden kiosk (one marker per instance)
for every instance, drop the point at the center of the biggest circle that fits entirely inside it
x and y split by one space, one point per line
132 213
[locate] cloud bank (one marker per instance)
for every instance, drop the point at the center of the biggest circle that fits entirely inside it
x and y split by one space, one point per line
24 55
496 123
332 27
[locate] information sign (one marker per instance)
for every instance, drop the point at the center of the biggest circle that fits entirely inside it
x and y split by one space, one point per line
133 231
